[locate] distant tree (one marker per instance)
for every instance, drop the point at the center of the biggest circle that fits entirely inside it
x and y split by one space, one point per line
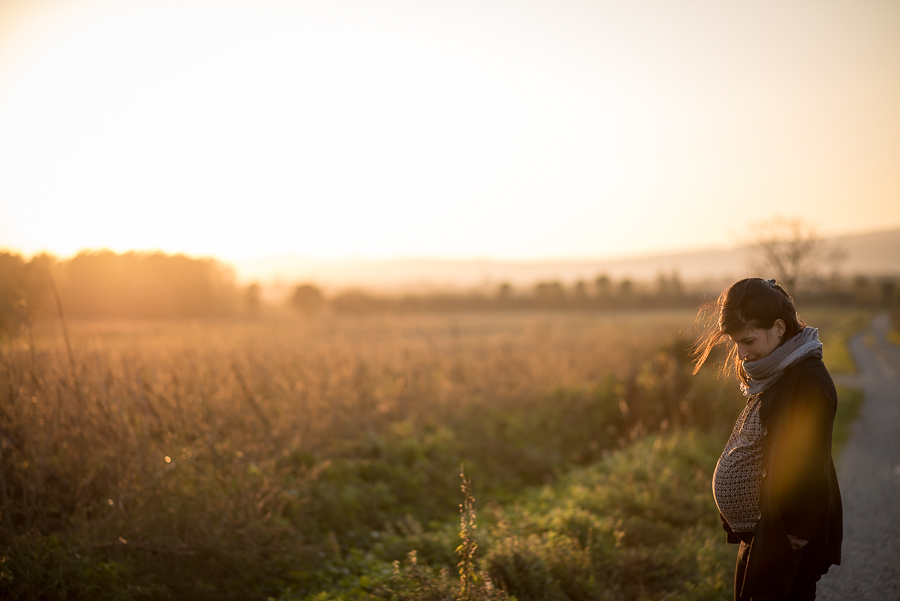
626 288
251 298
549 293
24 289
358 301
103 284
861 289
504 291
603 285
307 298
12 298
792 251
888 288
669 287
580 290
675 285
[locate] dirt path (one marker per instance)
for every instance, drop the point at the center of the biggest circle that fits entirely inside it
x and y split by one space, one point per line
869 475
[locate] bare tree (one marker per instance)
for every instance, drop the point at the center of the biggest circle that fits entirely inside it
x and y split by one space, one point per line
793 251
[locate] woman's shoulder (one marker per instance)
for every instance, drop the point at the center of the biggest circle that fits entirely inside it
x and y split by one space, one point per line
811 368
807 383
811 376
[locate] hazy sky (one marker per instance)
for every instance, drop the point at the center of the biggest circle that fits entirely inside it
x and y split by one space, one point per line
383 128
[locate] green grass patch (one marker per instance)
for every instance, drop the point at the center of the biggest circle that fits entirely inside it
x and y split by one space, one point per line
893 336
850 402
639 524
836 327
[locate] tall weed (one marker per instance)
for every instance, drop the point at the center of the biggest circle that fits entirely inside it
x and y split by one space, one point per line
239 460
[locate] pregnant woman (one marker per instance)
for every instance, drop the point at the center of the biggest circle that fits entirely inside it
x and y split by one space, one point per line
775 483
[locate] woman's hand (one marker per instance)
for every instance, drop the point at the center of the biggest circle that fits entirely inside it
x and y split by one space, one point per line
797 543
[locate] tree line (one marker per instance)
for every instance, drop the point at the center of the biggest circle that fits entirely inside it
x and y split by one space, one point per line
104 284
603 292
134 285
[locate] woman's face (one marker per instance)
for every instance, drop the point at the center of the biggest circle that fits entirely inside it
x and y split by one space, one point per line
755 343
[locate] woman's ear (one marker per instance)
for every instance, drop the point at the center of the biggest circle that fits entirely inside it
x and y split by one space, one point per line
779 327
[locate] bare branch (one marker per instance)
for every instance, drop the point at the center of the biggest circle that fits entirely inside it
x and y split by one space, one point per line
793 252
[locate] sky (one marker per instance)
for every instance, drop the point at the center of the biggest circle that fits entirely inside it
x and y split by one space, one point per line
526 129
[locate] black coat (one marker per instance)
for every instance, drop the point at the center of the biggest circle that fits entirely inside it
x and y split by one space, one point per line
799 492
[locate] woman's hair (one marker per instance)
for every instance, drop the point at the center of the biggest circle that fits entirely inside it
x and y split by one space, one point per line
754 303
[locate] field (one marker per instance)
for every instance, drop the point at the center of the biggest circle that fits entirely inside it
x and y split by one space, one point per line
320 458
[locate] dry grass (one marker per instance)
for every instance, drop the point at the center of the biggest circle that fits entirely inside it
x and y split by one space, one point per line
232 459
320 379
208 439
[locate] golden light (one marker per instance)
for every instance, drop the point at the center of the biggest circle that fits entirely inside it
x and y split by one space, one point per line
337 129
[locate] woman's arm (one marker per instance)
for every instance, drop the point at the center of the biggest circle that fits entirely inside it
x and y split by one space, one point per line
730 536
802 484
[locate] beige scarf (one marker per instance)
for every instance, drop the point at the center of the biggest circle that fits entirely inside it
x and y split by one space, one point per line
766 371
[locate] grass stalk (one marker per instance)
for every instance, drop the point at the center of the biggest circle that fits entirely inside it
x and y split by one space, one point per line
65 329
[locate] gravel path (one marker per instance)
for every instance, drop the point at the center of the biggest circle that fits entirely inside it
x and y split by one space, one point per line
869 475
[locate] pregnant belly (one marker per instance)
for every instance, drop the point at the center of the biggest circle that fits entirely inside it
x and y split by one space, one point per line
736 487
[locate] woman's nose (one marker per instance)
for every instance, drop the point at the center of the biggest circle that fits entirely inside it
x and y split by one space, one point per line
742 353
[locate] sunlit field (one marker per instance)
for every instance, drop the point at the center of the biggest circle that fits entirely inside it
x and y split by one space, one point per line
307 458
341 300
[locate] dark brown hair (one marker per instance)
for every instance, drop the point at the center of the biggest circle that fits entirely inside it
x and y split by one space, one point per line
753 303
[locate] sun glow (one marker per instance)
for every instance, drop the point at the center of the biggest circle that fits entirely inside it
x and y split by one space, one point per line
366 129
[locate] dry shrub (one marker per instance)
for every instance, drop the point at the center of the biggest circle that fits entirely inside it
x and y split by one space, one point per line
230 459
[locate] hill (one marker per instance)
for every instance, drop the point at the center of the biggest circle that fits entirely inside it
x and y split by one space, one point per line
872 254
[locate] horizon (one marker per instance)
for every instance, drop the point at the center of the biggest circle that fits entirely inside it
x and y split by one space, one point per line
867 254
624 256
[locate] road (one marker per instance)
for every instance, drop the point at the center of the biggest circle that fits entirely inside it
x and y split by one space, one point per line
869 476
